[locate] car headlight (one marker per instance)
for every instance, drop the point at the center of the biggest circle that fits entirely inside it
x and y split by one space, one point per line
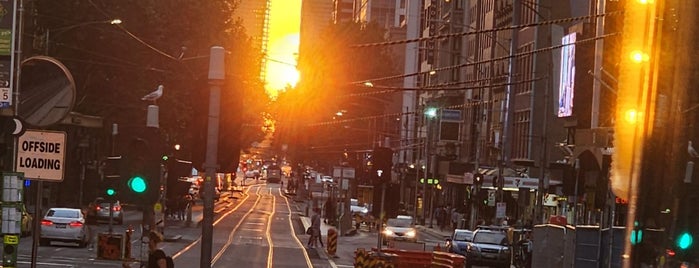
410 233
387 232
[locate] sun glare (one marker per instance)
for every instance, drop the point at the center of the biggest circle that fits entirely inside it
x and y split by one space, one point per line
281 63
282 49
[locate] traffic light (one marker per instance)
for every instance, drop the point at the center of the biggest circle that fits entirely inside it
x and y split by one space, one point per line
478 179
141 183
112 174
382 159
684 240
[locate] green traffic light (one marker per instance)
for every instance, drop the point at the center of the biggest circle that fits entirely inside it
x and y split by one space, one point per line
165 157
685 241
137 184
111 192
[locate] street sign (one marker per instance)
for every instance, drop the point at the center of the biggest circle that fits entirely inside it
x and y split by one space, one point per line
491 198
343 172
500 209
41 155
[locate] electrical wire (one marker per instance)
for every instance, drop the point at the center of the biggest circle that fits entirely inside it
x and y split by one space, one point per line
545 49
459 34
138 39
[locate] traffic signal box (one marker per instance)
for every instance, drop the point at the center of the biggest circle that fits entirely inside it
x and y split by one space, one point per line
141 183
134 176
382 159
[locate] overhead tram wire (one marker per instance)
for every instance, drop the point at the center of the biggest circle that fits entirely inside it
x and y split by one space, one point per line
545 49
512 27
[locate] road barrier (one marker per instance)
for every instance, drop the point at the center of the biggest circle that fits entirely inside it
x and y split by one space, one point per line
332 242
409 258
444 259
364 259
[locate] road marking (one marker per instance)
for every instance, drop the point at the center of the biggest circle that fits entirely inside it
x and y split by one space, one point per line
291 225
47 264
233 231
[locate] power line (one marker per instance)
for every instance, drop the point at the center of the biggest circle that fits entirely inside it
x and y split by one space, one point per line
482 61
513 27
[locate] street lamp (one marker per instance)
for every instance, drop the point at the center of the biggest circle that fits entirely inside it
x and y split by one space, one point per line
430 113
59 30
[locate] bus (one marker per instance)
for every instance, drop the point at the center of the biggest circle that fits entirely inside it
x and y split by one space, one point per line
274 174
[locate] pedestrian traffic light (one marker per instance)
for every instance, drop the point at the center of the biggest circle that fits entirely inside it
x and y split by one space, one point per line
9 256
382 159
478 179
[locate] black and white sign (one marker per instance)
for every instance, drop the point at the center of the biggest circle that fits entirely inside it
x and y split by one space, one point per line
41 155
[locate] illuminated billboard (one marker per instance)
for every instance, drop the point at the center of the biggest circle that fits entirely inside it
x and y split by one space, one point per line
566 88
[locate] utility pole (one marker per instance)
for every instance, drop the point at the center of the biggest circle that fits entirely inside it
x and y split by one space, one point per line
216 77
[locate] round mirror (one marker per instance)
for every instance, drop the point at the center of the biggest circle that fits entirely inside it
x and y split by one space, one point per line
46 91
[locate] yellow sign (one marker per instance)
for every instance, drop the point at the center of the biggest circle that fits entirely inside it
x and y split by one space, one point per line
11 240
157 208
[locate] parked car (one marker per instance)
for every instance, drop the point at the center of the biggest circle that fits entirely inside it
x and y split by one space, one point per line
65 225
489 247
99 210
458 242
399 230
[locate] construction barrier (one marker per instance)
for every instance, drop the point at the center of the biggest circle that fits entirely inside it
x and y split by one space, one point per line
409 258
110 246
444 259
364 259
332 242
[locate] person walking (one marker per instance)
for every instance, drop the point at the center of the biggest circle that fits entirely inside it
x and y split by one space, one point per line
315 230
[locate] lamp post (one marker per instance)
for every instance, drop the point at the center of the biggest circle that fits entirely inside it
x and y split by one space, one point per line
430 113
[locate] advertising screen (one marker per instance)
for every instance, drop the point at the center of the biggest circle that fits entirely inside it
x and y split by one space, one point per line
566 88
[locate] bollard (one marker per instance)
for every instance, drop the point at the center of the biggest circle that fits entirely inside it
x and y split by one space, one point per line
127 245
332 242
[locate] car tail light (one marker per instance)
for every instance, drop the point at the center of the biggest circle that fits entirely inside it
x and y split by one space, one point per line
76 224
670 252
98 208
46 222
117 208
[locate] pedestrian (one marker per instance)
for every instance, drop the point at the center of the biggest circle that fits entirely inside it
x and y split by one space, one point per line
315 230
156 256
454 219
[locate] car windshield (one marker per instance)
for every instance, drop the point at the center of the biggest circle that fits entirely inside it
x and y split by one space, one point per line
463 236
399 222
63 213
489 238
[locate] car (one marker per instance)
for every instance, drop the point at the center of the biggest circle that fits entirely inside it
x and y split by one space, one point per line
326 179
99 210
458 242
399 230
27 222
488 247
64 225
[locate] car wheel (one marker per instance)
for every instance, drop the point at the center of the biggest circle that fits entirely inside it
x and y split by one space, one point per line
44 242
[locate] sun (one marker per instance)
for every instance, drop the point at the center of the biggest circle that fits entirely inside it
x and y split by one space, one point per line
281 63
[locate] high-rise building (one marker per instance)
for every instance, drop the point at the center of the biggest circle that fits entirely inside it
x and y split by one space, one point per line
255 18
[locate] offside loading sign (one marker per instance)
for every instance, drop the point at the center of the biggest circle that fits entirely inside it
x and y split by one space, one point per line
41 155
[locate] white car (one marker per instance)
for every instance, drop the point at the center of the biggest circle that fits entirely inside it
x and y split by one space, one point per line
399 230
64 225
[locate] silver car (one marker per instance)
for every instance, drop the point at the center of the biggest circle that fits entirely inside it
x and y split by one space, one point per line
64 225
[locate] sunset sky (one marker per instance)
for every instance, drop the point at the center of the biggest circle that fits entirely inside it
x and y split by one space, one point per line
285 20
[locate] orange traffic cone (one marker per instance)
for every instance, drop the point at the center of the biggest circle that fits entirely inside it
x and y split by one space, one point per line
438 248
